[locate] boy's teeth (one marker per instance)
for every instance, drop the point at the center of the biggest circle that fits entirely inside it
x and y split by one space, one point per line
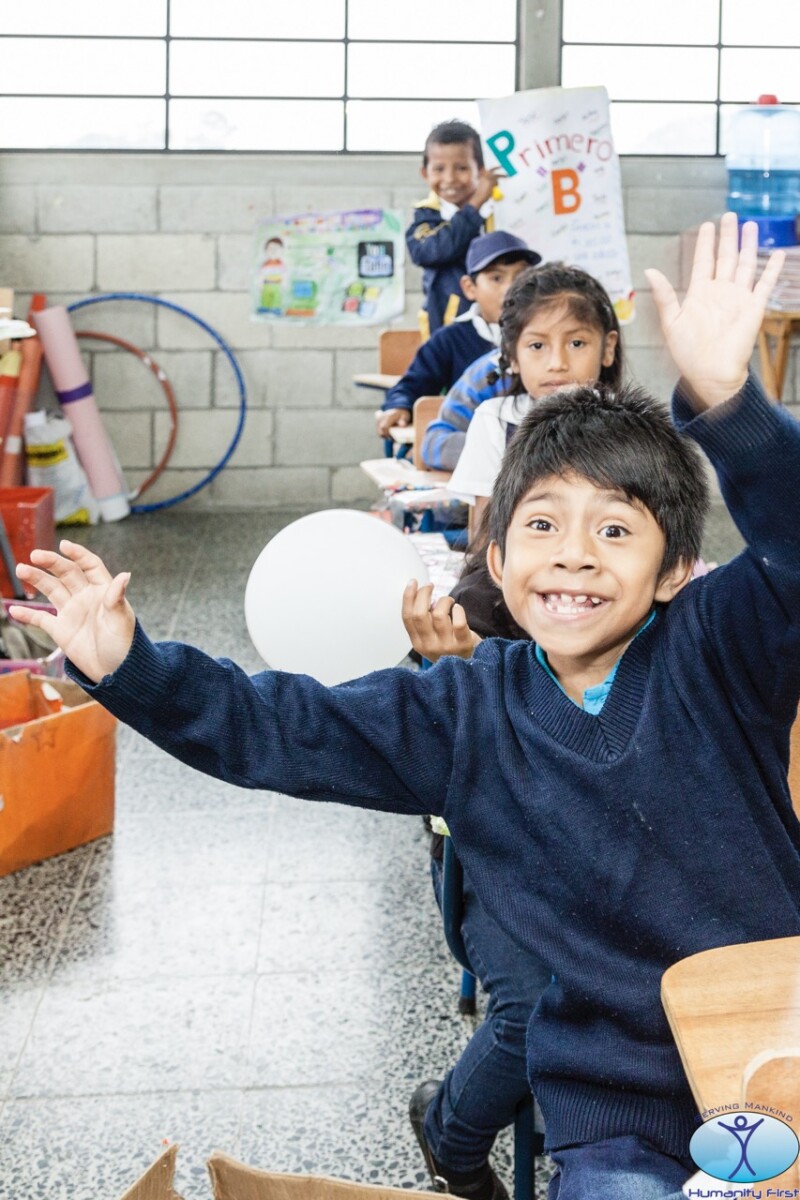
562 602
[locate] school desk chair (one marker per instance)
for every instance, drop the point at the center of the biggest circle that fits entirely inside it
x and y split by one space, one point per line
396 350
527 1141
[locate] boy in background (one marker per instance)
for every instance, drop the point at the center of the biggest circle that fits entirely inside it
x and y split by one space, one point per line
493 262
449 218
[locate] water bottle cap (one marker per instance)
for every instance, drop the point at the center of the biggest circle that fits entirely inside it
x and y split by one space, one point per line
768 98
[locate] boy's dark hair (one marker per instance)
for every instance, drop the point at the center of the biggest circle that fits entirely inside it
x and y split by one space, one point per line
622 440
502 260
454 133
551 285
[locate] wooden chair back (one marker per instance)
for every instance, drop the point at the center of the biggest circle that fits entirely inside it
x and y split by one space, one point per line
396 349
794 767
426 409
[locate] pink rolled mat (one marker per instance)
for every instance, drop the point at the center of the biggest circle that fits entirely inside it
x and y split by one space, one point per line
74 391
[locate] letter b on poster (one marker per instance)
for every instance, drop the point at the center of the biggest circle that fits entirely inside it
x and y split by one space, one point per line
562 192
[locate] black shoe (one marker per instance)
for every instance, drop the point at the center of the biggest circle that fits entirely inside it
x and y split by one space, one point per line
482 1184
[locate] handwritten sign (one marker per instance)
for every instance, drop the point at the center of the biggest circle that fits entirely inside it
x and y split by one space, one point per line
330 268
562 192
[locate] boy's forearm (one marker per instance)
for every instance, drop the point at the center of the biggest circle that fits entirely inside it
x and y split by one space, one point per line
442 446
271 731
435 245
755 448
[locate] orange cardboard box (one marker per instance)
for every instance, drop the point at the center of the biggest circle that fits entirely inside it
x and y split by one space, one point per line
57 758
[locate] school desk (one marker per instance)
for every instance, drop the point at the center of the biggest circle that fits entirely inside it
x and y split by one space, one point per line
734 1012
782 327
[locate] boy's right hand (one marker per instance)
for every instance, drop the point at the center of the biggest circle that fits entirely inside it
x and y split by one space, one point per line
94 623
436 631
487 182
386 418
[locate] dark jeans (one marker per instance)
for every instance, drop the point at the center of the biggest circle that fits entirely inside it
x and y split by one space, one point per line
479 1095
623 1168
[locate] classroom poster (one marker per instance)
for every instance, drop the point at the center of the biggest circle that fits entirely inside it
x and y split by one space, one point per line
330 268
562 192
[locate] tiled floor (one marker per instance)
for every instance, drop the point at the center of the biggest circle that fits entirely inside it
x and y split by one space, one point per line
230 970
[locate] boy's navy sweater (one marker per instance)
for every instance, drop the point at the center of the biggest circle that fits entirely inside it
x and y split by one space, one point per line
440 247
438 363
611 845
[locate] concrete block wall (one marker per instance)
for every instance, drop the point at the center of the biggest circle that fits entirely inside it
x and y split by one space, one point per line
181 227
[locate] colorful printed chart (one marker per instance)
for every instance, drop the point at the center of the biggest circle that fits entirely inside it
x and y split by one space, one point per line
331 268
562 192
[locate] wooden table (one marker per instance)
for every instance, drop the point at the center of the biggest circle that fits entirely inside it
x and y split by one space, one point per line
781 326
377 380
735 1015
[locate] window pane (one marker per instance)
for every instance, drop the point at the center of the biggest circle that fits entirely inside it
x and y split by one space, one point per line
692 22
256 68
422 21
746 74
270 19
146 18
96 66
643 73
726 111
375 69
664 128
398 125
43 124
256 124
773 23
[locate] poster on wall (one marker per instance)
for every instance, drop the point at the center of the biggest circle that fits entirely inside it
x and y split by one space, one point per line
562 192
330 268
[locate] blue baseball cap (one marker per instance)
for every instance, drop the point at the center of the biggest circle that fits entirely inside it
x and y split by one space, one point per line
485 249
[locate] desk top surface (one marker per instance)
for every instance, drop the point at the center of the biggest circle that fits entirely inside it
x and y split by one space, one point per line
727 1005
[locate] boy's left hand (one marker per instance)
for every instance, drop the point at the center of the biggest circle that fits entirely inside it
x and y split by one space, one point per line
712 333
436 631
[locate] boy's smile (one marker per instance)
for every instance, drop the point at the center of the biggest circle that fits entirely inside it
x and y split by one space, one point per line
581 573
452 172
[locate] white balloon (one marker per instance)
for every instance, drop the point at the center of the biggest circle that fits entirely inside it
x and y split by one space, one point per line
324 596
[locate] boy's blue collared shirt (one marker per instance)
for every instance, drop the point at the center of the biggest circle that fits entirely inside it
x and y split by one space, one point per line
594 697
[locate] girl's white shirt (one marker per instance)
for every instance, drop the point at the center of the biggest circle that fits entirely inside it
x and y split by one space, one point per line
485 445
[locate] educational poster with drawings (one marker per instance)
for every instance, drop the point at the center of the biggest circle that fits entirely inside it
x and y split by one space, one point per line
562 192
330 268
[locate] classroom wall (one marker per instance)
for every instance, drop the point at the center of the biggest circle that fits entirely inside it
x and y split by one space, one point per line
181 227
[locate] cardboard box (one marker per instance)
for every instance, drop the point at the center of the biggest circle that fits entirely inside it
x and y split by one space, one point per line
57 752
232 1180
29 516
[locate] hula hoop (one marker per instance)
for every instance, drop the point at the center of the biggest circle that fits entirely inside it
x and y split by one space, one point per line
226 350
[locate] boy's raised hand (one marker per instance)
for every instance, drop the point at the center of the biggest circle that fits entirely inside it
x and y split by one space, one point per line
94 623
712 333
436 631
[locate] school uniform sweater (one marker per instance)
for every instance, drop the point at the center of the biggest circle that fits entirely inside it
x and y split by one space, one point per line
437 240
611 845
443 359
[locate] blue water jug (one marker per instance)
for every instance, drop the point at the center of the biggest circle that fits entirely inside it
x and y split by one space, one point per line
763 163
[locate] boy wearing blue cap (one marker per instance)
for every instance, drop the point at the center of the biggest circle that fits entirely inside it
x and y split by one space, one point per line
493 263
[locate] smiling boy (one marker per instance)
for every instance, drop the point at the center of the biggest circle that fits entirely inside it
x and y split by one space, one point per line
565 813
449 218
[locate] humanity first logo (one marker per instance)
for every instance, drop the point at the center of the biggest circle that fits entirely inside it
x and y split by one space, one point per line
745 1147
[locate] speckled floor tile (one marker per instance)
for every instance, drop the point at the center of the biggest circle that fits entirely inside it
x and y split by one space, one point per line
137 1036
117 932
34 905
361 924
17 1009
95 1147
334 842
150 781
222 845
